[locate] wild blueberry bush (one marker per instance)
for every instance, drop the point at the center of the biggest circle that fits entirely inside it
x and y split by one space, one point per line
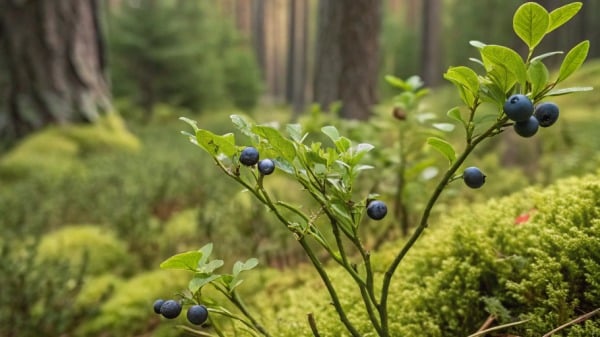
327 172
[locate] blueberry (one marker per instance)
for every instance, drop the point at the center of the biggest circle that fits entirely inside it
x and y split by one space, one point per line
376 210
527 128
170 309
197 314
546 114
157 304
473 177
266 166
518 108
249 156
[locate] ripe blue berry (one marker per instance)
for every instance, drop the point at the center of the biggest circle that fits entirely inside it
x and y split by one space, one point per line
518 108
157 304
170 309
197 314
266 166
376 210
527 128
473 177
249 156
546 114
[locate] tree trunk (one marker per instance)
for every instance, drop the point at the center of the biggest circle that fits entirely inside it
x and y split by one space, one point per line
359 47
55 55
296 61
327 59
348 55
431 42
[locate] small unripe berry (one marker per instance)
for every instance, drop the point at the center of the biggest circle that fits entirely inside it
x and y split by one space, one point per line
546 114
518 108
157 304
473 177
249 156
170 309
527 128
266 166
376 210
197 314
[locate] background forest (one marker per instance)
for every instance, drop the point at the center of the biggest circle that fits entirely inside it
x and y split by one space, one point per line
98 186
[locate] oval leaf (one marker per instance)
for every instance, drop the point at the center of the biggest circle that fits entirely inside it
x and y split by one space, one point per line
538 77
573 60
279 143
531 22
443 147
186 261
495 56
561 15
446 127
454 113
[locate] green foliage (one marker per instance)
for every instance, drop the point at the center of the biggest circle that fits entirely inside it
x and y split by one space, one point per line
56 151
89 247
37 297
180 53
476 262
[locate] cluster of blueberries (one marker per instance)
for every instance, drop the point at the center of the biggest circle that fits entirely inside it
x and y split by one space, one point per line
376 209
196 314
527 118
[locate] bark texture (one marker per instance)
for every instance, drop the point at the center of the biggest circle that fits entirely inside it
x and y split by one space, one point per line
347 58
54 53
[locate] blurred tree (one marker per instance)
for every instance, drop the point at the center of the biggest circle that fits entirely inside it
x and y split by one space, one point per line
431 42
348 55
55 58
296 55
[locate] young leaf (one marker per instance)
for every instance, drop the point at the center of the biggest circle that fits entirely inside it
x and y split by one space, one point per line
454 113
331 132
466 81
211 266
494 56
200 280
530 22
574 59
295 132
240 266
186 261
397 82
446 127
443 147
538 77
282 145
192 123
545 55
477 44
565 91
242 124
561 15
215 144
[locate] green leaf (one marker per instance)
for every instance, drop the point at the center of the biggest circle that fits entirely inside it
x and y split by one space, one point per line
243 125
530 23
200 280
279 143
295 132
191 122
467 82
565 91
186 261
215 144
574 59
454 113
443 147
211 266
502 78
545 55
397 82
446 127
240 266
561 15
342 144
331 132
495 56
538 77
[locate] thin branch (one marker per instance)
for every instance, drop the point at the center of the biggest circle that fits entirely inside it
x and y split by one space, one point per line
575 321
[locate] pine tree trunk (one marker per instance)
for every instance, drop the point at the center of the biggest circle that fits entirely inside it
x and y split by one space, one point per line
347 58
431 42
55 56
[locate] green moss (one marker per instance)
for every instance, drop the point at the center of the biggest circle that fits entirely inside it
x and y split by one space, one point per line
98 248
56 150
129 310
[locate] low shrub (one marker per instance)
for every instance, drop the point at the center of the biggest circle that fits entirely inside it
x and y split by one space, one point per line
532 256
